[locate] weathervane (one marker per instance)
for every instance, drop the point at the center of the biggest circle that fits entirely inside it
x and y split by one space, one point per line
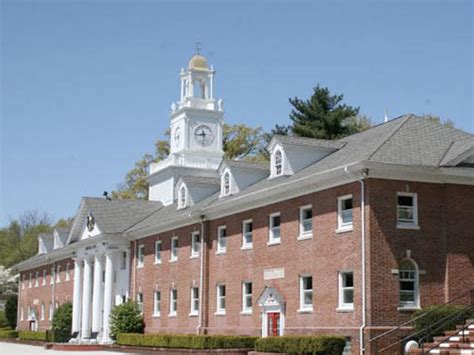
198 48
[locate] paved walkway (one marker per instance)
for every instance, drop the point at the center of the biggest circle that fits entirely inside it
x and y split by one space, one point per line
21 349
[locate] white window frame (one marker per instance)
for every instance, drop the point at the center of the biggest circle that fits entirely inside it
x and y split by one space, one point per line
344 226
226 183
30 280
272 229
24 282
67 277
156 303
173 302
43 311
182 196
195 244
158 251
141 256
220 295
52 276
405 224
342 306
246 296
416 286
44 277
22 313
221 239
245 244
58 273
174 249
303 306
275 171
195 302
305 234
51 311
37 279
140 301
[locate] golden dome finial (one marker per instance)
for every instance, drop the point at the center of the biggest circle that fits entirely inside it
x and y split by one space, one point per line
198 61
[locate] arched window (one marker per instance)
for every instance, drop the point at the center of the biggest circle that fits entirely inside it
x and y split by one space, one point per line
278 161
226 183
199 89
182 197
408 277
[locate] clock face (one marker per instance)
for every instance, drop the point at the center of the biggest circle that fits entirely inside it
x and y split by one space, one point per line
203 135
177 136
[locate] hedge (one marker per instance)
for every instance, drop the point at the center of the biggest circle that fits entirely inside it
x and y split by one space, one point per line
8 334
29 335
327 345
439 319
187 341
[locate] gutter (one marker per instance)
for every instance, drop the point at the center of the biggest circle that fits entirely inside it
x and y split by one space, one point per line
361 178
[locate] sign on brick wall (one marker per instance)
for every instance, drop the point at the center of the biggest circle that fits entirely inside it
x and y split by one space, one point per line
272 274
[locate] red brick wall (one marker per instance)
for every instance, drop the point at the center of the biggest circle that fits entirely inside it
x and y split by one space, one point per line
36 295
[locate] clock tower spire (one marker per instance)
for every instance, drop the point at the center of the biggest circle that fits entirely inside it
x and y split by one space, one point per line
196 135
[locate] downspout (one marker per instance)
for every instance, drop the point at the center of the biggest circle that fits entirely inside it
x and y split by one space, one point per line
133 265
53 294
363 272
201 277
18 320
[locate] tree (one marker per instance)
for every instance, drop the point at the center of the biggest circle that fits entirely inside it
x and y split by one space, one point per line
62 323
242 142
436 119
323 116
11 310
126 318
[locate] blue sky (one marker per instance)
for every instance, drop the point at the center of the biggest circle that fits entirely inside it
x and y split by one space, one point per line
86 86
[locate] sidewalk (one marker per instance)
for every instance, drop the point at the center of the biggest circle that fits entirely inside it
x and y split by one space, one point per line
21 349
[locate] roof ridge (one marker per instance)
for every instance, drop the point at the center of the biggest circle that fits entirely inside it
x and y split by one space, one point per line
445 152
406 118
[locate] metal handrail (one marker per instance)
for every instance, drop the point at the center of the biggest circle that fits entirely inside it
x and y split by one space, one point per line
411 321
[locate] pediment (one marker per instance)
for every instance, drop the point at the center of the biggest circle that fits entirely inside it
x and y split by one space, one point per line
271 297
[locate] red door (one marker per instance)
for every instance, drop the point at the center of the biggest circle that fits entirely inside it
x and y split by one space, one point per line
273 324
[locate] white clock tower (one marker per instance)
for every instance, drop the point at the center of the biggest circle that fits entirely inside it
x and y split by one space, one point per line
196 133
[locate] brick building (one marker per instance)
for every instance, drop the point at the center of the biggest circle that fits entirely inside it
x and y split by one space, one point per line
345 237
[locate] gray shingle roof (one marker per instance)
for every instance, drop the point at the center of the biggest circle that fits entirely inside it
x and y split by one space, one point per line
198 180
310 142
246 164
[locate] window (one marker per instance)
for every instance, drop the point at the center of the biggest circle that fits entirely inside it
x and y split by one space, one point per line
246 297
51 276
247 238
58 273
158 249
51 311
22 315
344 213
174 249
278 163
140 301
173 302
306 293
29 280
182 197
42 311
156 303
23 283
346 290
408 274
37 279
68 277
141 256
226 183
274 229
306 221
44 277
194 301
407 210
195 244
123 263
221 239
220 299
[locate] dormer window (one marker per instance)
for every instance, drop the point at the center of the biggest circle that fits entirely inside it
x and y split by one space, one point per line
182 197
225 184
278 163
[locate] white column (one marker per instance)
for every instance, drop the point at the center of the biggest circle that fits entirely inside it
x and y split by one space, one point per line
86 299
108 295
97 295
76 300
211 86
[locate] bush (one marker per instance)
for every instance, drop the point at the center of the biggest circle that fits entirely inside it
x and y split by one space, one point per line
433 325
11 310
62 324
8 334
126 318
187 341
327 345
29 335
3 320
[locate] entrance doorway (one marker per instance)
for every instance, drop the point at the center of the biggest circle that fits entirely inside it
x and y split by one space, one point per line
272 312
273 323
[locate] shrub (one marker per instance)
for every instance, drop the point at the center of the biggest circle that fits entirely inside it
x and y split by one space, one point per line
433 324
62 323
327 345
187 341
11 310
8 334
3 320
126 318
29 335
